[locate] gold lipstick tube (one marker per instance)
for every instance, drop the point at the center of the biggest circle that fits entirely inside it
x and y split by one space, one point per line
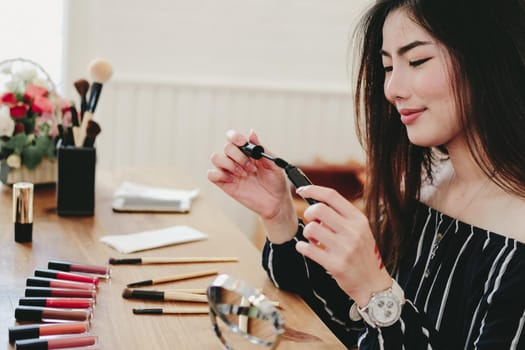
23 211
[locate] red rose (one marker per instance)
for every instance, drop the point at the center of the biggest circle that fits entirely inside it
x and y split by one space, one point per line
18 111
42 105
34 91
8 98
19 128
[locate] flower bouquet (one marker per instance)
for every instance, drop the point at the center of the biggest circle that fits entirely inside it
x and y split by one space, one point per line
30 113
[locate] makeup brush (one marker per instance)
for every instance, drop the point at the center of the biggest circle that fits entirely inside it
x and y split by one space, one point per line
173 310
170 260
163 295
295 175
93 129
172 278
75 121
100 71
82 87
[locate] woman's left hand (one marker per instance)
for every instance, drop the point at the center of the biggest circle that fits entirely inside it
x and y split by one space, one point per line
342 242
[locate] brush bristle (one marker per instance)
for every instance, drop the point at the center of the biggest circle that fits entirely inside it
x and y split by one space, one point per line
100 70
82 86
127 293
93 128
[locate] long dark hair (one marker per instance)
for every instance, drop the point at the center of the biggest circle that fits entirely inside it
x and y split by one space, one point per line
486 42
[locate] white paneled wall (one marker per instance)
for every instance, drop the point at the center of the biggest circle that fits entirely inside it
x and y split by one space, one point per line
182 123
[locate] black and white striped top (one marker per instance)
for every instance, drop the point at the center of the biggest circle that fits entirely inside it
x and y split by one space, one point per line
465 289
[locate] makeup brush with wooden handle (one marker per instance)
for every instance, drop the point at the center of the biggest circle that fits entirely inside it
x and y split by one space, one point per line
93 129
101 72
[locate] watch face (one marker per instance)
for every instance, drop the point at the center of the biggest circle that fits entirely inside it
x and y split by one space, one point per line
384 310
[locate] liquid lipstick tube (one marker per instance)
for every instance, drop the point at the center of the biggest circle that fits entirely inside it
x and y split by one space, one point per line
43 314
69 266
35 331
45 292
61 275
23 211
65 303
53 283
76 341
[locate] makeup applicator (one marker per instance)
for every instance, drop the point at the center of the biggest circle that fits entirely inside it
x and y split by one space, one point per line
93 129
82 87
295 175
101 72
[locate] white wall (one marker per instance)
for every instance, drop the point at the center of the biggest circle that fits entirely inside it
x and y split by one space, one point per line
297 47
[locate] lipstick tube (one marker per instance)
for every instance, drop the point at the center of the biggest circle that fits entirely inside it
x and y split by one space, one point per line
69 266
44 292
65 303
54 283
61 275
56 343
23 211
43 314
35 331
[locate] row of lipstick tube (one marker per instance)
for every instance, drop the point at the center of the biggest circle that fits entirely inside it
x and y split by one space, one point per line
57 307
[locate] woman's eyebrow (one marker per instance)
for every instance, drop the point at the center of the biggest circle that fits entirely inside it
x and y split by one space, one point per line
404 49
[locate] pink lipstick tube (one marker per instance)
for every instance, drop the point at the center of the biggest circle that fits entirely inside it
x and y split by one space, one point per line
35 331
43 314
68 266
64 303
23 211
54 283
57 343
61 275
44 292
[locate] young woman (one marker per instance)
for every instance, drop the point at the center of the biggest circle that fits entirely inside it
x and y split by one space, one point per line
437 259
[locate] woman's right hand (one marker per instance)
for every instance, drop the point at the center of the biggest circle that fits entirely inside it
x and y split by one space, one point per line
259 185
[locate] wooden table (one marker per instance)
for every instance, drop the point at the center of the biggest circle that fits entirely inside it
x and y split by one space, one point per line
77 239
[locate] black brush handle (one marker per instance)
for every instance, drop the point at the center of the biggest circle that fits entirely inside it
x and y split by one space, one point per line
96 88
299 179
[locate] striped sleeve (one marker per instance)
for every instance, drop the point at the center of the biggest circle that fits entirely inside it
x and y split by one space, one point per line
497 322
293 272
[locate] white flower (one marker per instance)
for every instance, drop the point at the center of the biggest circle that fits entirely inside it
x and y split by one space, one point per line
7 68
12 85
41 82
7 125
14 161
25 74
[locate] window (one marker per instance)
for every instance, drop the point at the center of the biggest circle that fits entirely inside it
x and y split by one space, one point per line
34 29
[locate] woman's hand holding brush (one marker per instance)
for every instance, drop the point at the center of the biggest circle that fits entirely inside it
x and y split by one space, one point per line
259 185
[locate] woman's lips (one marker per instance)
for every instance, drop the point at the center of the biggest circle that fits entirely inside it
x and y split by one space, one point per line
409 115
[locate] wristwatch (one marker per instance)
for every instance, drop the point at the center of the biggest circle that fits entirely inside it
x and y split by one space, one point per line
383 309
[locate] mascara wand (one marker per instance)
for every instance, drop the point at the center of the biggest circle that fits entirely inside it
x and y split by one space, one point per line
295 175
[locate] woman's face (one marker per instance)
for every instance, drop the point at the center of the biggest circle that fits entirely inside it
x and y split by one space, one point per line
418 81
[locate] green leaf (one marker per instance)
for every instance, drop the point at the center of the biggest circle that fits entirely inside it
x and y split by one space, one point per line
32 156
46 146
29 139
16 143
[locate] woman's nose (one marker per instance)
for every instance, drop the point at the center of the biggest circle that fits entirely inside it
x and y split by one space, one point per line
396 86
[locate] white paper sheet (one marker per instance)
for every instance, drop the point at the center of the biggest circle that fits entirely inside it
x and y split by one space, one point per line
134 242
131 196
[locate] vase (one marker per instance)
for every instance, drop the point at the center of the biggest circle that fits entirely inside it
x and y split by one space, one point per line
44 173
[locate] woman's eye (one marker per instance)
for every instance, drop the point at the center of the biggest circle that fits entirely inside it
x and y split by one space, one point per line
387 68
419 62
